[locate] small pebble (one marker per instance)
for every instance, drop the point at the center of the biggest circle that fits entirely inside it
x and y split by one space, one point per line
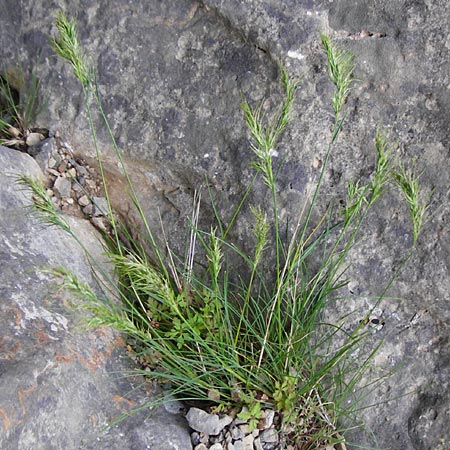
195 438
269 436
201 447
72 173
52 163
62 167
238 445
84 200
216 447
216 438
257 444
244 428
90 184
100 206
88 209
204 438
53 172
34 139
248 442
236 433
81 170
62 187
269 415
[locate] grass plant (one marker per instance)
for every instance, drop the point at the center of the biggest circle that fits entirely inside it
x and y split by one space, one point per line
253 341
19 107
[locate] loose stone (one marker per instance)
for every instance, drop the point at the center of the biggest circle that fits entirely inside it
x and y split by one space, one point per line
62 167
216 439
81 170
100 206
236 433
84 200
53 172
204 438
201 447
269 436
52 163
72 173
90 184
76 187
195 438
248 442
34 139
62 187
244 428
88 209
216 447
257 444
269 415
99 223
210 424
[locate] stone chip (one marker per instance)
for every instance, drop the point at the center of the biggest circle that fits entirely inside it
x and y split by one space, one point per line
202 421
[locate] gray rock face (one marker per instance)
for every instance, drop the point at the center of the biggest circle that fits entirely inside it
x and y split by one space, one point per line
171 74
59 385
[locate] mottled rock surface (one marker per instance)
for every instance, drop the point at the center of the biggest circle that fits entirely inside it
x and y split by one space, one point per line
60 385
172 73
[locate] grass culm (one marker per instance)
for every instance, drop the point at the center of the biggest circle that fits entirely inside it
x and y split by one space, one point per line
256 341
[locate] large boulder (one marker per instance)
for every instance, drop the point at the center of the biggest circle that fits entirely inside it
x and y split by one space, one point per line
171 74
62 386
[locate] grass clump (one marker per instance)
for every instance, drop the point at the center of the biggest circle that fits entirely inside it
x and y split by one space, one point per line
252 340
19 109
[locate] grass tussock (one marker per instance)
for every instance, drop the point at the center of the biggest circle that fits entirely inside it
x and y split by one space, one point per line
19 109
252 340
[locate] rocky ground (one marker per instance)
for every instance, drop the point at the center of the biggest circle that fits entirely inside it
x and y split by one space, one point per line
76 191
212 432
171 74
61 386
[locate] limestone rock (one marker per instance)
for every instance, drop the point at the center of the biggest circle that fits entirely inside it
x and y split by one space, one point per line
60 386
172 74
